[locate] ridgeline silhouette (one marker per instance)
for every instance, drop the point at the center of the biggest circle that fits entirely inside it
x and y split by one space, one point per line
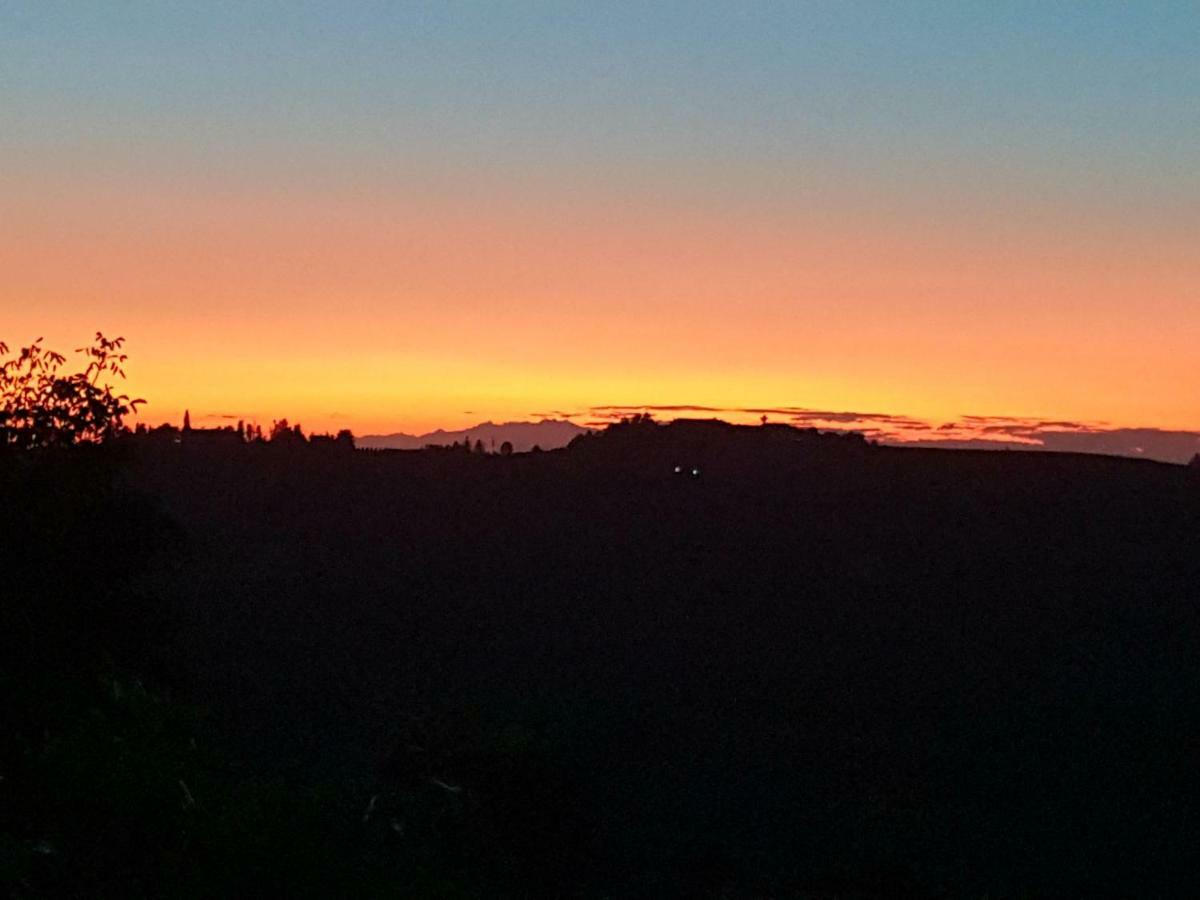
690 659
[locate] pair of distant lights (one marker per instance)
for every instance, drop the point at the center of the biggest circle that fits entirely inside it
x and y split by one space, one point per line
695 473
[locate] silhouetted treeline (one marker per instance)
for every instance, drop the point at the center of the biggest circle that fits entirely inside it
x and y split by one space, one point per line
281 434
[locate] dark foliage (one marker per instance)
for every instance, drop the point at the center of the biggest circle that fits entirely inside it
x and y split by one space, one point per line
41 407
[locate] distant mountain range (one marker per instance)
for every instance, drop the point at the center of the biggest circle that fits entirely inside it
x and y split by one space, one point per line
547 434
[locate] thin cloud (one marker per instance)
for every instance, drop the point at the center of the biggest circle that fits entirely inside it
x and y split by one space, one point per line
987 419
682 407
816 415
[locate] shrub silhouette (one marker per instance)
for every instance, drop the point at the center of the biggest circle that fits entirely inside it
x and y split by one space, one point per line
41 407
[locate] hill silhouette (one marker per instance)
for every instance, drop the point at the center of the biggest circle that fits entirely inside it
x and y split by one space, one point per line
692 660
970 433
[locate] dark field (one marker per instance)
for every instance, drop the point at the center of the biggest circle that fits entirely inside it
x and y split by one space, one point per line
817 669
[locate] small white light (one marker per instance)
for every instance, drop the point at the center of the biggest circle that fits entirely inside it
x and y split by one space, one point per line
678 470
695 473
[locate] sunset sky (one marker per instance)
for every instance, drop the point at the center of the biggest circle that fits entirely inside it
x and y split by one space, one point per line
403 216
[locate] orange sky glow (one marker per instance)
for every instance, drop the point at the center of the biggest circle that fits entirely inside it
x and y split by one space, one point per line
399 217
410 312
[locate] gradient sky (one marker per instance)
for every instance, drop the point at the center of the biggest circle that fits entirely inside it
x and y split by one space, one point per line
402 216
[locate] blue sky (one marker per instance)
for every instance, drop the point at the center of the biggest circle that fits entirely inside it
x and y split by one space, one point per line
1102 96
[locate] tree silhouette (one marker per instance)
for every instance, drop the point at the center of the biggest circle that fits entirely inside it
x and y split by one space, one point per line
638 420
284 433
42 407
506 448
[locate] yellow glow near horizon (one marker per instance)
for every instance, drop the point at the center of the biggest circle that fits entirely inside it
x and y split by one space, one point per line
387 313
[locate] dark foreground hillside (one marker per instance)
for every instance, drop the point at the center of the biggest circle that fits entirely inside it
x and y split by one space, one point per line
814 668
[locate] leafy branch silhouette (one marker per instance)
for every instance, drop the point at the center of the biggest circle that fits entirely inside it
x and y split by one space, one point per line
42 407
